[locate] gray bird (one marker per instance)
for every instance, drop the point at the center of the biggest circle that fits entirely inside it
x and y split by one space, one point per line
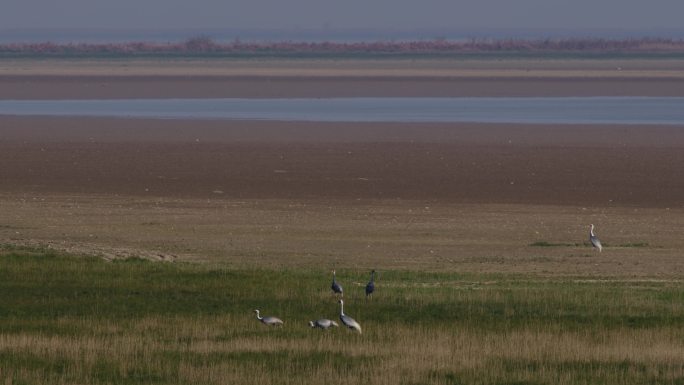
347 320
594 239
270 321
370 287
336 288
323 323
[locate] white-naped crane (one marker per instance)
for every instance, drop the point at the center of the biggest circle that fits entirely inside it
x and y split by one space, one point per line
270 320
336 287
594 239
323 323
347 320
370 286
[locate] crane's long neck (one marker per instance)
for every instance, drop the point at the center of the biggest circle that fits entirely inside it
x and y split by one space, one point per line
341 308
591 231
258 316
372 276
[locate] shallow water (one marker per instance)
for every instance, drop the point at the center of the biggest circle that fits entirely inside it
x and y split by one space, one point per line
535 110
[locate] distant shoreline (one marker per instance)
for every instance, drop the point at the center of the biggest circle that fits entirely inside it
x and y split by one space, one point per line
206 47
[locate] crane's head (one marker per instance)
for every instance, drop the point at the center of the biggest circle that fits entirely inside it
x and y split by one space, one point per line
340 301
335 324
311 323
256 311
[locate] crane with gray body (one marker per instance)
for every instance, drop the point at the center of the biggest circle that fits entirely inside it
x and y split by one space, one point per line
370 287
270 321
336 287
594 239
347 320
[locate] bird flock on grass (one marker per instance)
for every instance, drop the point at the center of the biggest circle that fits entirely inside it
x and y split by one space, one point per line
349 322
325 323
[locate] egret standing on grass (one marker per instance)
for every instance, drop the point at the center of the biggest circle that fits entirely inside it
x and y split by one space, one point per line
323 323
370 287
270 321
336 288
347 320
594 239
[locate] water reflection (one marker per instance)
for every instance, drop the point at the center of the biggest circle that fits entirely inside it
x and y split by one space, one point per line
568 110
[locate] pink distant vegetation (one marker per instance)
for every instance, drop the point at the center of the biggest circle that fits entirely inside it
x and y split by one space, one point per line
206 45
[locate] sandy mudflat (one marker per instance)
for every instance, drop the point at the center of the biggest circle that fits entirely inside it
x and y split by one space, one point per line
384 196
104 87
460 163
464 197
130 78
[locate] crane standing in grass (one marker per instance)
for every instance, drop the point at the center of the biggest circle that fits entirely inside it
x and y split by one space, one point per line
270 321
370 287
594 239
347 320
336 288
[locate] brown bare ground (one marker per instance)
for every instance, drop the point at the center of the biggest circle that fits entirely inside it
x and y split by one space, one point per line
461 197
597 166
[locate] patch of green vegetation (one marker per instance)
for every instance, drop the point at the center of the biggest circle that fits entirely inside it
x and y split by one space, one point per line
635 244
587 244
52 285
447 376
587 371
550 244
11 227
164 319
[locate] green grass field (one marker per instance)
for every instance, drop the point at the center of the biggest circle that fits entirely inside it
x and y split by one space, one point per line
80 320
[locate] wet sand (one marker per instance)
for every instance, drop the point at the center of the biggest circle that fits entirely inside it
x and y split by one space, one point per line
275 78
457 163
117 87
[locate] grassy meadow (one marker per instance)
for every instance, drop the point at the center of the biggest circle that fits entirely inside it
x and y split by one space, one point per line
83 320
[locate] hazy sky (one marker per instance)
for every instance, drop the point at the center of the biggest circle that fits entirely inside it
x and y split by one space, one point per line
395 14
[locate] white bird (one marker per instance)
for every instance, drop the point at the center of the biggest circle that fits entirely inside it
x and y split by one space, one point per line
323 323
594 239
336 288
347 320
270 321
